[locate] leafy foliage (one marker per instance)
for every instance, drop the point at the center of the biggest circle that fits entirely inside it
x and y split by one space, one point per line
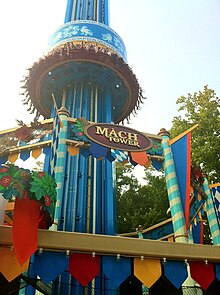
13 181
201 108
22 183
44 188
145 205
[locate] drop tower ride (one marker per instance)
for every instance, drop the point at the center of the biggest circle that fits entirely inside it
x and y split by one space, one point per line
86 71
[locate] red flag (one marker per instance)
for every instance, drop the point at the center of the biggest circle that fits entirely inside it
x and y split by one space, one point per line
83 267
201 231
24 230
202 273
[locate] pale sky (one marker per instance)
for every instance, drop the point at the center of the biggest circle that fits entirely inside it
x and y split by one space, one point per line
173 47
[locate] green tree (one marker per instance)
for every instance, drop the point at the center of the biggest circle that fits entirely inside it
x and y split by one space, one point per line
145 205
126 192
201 108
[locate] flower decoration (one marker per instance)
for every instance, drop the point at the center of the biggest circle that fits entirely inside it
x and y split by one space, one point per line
3 169
5 181
43 187
22 183
156 149
32 132
23 133
77 132
12 181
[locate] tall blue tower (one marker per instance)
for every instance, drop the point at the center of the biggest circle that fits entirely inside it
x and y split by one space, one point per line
86 71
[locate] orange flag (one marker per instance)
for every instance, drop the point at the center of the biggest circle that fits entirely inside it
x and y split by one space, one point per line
9 266
24 230
13 157
36 153
140 157
73 150
148 271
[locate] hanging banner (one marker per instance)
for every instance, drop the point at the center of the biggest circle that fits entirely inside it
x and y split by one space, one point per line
140 158
49 265
216 197
119 156
181 149
98 151
148 271
175 272
118 137
24 155
84 267
72 150
9 266
13 157
24 230
116 270
217 271
202 273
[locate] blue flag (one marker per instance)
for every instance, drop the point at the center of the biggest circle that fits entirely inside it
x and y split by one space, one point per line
54 144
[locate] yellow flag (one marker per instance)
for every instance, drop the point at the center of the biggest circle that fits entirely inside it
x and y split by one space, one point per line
148 271
72 150
36 153
13 157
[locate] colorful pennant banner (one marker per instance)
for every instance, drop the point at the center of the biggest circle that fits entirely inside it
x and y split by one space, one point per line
85 267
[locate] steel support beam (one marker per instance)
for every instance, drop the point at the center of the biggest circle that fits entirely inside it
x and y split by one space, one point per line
113 245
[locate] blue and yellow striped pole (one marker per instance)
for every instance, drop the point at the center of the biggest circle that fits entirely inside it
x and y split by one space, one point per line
211 214
176 208
60 165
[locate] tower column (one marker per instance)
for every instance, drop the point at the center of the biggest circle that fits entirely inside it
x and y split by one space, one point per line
96 10
87 71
